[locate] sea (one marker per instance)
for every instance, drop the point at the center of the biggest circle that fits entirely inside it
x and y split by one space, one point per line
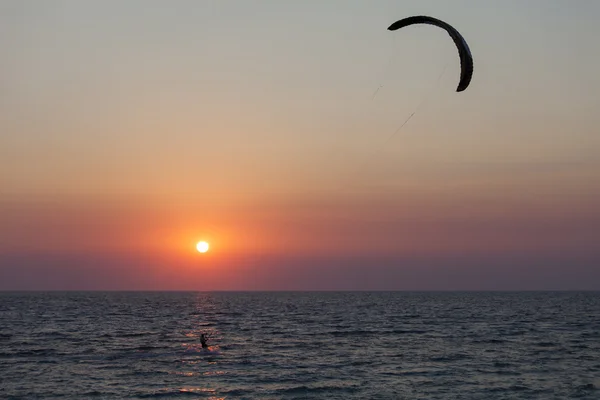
300 345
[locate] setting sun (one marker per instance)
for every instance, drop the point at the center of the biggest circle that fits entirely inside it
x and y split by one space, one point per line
202 247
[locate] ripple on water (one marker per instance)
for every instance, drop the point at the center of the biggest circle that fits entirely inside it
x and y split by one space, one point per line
300 345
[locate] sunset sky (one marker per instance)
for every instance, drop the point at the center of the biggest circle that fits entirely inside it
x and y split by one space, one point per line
130 130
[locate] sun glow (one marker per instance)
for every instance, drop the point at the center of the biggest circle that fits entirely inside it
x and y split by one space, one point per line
202 247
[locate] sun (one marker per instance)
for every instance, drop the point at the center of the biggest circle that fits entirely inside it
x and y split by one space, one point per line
202 247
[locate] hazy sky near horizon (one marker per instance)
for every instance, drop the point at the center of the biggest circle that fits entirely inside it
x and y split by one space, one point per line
131 129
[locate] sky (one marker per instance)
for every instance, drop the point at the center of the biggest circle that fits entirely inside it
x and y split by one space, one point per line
131 130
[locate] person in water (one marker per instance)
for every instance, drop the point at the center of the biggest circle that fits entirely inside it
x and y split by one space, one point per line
203 341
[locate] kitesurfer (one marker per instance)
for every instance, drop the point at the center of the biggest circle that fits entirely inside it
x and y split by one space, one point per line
203 341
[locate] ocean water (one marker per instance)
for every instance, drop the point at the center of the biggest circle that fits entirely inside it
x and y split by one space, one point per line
294 345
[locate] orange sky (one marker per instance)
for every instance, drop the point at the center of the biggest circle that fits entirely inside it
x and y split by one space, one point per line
125 143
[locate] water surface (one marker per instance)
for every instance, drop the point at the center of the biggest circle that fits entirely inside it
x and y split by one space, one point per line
313 345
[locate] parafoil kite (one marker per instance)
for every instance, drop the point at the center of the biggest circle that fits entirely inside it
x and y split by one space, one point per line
466 59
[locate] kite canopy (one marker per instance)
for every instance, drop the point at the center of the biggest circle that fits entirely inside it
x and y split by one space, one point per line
466 59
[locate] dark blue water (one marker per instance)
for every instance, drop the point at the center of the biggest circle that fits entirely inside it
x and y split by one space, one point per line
300 345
